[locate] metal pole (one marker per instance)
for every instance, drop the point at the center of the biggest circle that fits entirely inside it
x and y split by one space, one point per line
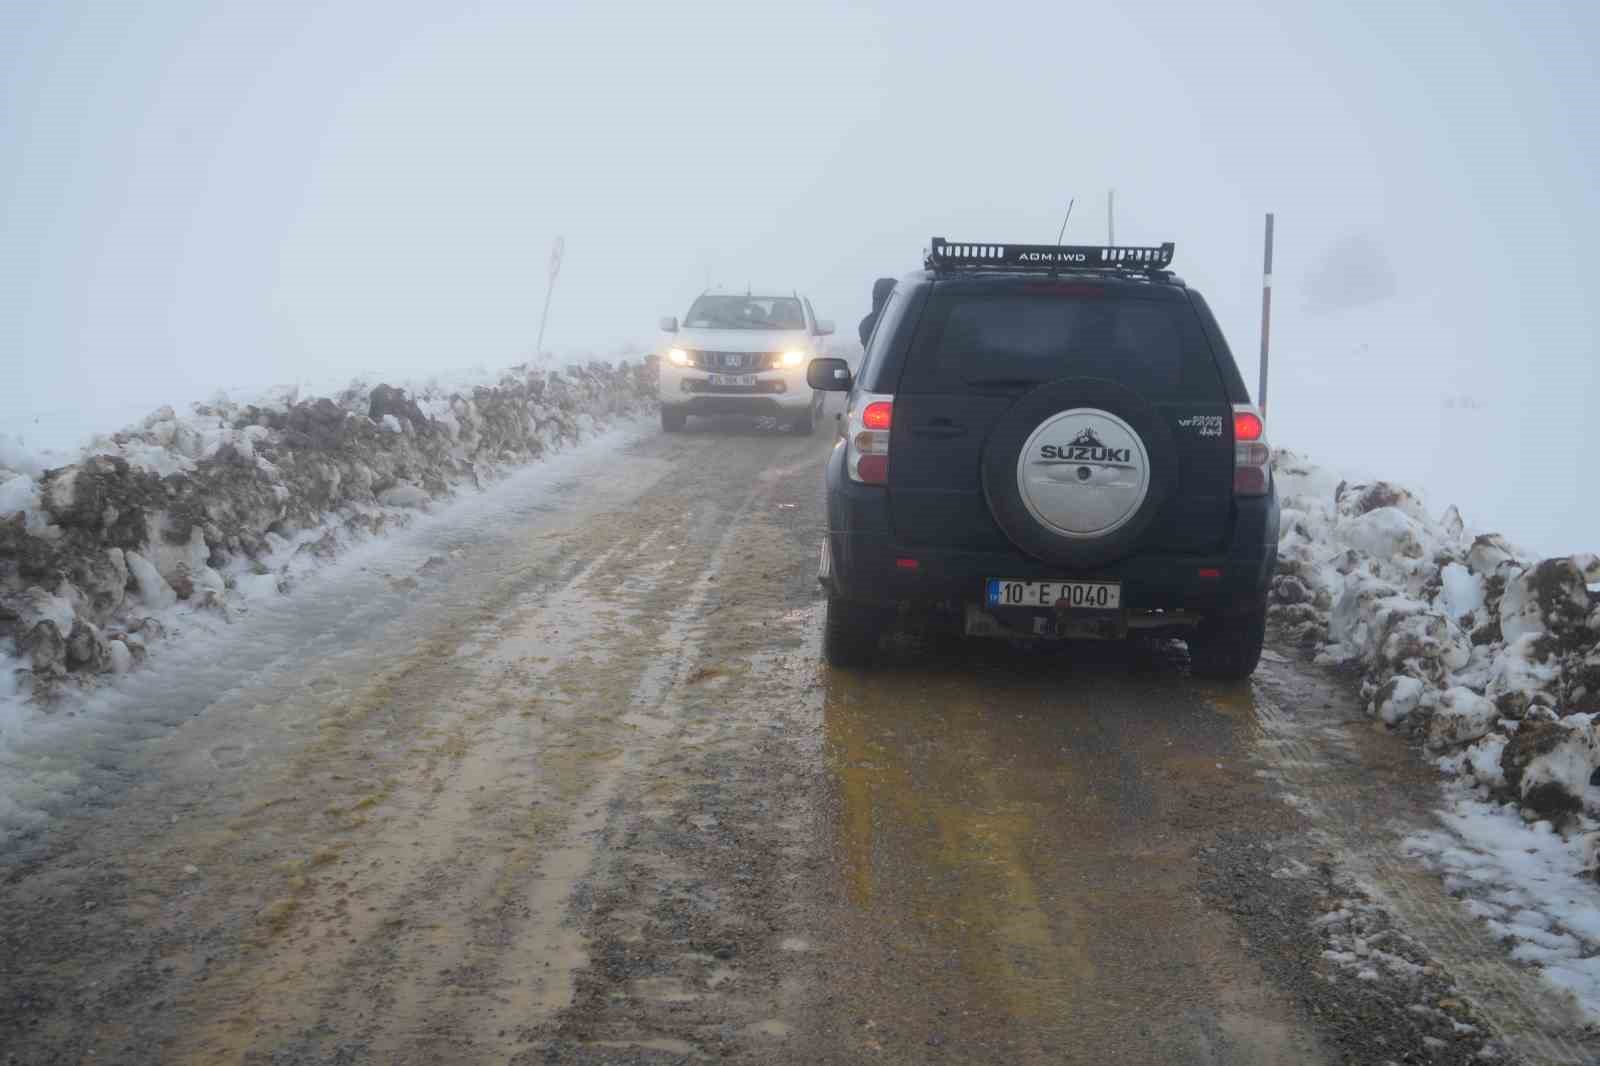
1111 217
557 250
1266 315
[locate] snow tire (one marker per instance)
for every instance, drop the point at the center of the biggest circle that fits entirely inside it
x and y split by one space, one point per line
850 633
1228 647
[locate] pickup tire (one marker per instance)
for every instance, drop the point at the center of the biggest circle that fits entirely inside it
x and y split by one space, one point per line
1227 647
805 424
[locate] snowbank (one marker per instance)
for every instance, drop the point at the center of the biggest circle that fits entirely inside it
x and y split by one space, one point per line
1460 637
205 511
1492 659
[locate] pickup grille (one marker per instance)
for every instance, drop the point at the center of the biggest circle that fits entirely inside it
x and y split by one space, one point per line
733 362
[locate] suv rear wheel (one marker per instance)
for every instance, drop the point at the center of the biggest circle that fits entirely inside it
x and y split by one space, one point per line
850 633
1228 647
673 421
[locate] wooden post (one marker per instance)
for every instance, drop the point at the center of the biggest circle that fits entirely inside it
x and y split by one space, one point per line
557 250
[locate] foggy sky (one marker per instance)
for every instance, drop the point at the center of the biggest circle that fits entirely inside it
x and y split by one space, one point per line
202 194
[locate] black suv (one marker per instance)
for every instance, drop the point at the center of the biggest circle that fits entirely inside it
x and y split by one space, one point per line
1055 442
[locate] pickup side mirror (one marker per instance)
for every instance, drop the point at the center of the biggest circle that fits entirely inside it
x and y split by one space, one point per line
829 375
669 325
824 327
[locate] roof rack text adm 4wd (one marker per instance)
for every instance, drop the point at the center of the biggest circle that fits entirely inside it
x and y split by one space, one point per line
948 255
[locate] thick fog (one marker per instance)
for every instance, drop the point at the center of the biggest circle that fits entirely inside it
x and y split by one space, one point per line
200 194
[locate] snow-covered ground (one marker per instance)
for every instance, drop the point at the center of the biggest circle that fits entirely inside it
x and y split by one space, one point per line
1491 658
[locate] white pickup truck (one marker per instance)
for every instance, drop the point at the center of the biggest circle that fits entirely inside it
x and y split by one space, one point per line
742 354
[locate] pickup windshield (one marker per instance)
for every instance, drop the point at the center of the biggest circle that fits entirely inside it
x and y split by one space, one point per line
720 311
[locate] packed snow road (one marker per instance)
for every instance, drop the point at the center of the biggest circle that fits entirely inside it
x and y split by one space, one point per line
571 786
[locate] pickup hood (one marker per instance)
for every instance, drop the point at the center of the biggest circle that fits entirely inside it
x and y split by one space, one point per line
741 340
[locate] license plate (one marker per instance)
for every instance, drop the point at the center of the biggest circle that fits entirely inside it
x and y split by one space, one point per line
1084 595
733 379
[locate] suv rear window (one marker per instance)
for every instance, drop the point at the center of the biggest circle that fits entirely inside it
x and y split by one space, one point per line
1028 335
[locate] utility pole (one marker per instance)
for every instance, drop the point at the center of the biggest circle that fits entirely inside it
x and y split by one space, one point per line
557 250
1111 217
1266 315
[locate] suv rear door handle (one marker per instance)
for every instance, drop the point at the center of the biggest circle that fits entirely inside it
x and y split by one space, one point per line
939 429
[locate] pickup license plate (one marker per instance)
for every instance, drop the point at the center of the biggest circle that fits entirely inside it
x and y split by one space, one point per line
733 379
1082 595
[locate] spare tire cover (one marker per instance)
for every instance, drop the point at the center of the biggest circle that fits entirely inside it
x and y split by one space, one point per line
1075 471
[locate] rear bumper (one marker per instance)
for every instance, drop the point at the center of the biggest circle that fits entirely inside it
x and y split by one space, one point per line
864 563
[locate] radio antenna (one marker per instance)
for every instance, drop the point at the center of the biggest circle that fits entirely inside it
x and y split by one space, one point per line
1063 232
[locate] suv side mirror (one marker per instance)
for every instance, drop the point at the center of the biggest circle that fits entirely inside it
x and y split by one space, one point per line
824 327
829 375
669 325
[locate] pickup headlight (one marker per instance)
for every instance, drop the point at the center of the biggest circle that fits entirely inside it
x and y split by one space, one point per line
678 357
792 359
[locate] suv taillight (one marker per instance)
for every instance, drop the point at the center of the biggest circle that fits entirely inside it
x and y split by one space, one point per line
1252 458
866 457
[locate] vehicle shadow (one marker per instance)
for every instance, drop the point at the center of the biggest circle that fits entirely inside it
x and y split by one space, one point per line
735 426
939 647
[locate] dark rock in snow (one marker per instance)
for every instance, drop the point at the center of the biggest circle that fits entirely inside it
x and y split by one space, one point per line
1354 500
46 648
388 400
1527 764
86 649
1290 590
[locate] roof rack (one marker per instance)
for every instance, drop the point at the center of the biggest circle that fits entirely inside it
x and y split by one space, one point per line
947 255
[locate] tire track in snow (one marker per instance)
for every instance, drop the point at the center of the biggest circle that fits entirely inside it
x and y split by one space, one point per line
1316 754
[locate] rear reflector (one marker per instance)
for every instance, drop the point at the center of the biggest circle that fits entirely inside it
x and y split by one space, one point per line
873 469
907 564
1210 571
1250 481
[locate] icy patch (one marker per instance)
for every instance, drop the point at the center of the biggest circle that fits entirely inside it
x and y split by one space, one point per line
153 588
1461 592
1398 698
1531 885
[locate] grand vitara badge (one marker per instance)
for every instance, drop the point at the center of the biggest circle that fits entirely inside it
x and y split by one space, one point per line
1083 473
